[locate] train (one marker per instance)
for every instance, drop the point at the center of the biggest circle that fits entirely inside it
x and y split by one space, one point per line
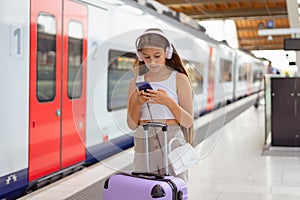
66 66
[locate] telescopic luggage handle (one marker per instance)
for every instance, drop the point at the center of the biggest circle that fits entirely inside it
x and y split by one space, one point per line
164 128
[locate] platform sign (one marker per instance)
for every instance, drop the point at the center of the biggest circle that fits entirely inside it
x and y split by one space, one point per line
292 44
270 24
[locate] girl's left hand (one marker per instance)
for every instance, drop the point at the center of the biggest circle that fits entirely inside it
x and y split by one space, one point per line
158 96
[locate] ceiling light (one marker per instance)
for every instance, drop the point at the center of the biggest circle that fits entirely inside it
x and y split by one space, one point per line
270 38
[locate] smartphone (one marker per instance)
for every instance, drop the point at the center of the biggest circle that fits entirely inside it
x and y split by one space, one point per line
143 86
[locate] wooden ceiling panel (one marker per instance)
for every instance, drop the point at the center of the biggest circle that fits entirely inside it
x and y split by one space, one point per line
247 14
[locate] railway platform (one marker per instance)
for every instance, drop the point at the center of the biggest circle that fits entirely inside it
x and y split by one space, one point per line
236 164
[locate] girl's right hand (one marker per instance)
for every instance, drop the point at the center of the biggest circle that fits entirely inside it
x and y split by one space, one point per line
141 97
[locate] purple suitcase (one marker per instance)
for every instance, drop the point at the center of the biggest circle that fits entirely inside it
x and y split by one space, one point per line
146 186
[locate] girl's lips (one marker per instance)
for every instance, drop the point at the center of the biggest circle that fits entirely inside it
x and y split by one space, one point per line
154 66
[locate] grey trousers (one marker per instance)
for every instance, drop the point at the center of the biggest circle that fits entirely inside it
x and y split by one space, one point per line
156 148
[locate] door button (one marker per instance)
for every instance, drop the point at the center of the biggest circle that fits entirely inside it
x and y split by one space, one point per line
58 112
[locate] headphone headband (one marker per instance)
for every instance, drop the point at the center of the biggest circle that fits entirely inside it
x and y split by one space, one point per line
169 48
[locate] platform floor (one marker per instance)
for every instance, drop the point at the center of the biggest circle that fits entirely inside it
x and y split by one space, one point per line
236 169
233 167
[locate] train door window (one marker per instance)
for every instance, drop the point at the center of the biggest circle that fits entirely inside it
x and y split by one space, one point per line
243 69
195 72
75 49
257 73
119 75
249 71
46 57
225 70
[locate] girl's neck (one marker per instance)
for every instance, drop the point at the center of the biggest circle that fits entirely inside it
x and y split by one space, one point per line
159 76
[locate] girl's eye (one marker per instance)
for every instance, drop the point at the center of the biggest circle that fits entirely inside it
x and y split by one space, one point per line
157 56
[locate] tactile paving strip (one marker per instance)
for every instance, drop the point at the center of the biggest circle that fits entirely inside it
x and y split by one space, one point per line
93 192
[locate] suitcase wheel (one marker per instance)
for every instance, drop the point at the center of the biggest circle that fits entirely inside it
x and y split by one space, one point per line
158 191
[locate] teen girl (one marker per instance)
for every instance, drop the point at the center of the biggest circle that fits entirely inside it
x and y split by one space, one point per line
169 102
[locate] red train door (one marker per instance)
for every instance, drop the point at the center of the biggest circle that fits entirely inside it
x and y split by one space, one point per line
74 83
52 120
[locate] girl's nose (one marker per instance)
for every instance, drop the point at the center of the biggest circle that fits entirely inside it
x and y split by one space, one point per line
152 61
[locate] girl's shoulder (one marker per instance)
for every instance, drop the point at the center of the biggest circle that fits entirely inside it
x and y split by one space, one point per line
133 79
182 82
181 77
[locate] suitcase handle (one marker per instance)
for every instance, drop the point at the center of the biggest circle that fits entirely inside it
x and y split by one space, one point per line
147 174
155 124
165 151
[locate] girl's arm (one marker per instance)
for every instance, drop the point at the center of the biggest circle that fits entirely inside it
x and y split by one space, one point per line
135 100
183 111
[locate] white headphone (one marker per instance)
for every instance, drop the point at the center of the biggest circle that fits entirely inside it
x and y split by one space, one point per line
169 49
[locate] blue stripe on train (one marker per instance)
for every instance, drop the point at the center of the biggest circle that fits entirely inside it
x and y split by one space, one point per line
104 150
14 184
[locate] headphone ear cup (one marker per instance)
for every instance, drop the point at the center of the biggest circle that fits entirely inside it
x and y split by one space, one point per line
169 52
139 55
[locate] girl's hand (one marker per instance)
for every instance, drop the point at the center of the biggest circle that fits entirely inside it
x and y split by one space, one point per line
140 97
158 96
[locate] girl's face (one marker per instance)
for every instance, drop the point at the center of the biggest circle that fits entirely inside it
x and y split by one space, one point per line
154 58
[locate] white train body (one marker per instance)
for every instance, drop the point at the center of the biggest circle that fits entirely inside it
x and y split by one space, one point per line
65 71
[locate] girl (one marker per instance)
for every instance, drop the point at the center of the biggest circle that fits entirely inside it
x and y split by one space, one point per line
169 102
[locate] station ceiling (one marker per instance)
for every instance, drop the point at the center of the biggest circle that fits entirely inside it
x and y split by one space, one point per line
249 16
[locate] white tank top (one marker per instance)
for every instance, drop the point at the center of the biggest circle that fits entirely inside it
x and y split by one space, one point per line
159 111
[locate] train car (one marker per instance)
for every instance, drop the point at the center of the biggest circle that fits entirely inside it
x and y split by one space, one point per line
259 68
243 69
224 75
14 96
249 71
65 71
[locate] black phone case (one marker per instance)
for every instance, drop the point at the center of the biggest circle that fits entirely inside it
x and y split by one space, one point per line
143 86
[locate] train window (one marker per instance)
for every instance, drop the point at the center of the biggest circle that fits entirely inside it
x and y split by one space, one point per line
75 50
195 72
46 57
243 69
119 75
225 70
257 75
